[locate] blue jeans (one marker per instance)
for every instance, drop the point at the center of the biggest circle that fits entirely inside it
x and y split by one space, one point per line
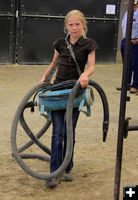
133 68
58 144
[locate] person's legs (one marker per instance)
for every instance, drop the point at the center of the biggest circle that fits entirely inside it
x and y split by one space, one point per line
68 176
74 121
134 65
56 146
130 69
57 151
57 139
135 79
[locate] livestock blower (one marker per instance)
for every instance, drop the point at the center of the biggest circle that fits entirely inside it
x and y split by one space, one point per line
47 97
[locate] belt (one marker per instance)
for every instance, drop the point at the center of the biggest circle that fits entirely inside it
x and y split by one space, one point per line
136 39
131 39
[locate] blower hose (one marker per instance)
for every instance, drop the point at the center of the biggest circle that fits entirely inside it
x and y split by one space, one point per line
19 117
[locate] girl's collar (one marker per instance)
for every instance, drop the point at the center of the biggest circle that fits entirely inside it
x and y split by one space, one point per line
79 41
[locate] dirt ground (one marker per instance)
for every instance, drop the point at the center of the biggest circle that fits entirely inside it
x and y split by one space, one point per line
94 167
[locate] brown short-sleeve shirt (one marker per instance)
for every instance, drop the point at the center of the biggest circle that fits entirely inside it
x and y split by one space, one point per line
67 69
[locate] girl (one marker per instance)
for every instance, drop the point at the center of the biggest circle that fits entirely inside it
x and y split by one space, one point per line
84 50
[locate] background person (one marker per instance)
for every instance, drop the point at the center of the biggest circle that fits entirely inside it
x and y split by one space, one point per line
133 68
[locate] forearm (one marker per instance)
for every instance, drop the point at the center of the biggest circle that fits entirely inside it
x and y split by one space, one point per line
89 71
91 65
45 75
83 79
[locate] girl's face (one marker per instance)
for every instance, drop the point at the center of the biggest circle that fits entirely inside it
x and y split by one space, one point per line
74 26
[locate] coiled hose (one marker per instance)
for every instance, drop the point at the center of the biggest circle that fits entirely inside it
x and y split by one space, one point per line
34 139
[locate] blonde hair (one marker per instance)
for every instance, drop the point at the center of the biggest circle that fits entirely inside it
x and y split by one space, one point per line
81 16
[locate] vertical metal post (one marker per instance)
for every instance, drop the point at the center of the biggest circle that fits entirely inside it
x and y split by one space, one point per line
16 30
123 100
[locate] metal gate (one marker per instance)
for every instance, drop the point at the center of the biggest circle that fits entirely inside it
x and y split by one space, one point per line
7 21
37 24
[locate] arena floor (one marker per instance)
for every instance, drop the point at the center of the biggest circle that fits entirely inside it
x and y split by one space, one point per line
94 160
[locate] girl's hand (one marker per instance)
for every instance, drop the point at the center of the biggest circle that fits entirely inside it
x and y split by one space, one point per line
83 79
42 80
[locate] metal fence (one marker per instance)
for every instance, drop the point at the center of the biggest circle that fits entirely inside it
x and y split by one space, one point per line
30 27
